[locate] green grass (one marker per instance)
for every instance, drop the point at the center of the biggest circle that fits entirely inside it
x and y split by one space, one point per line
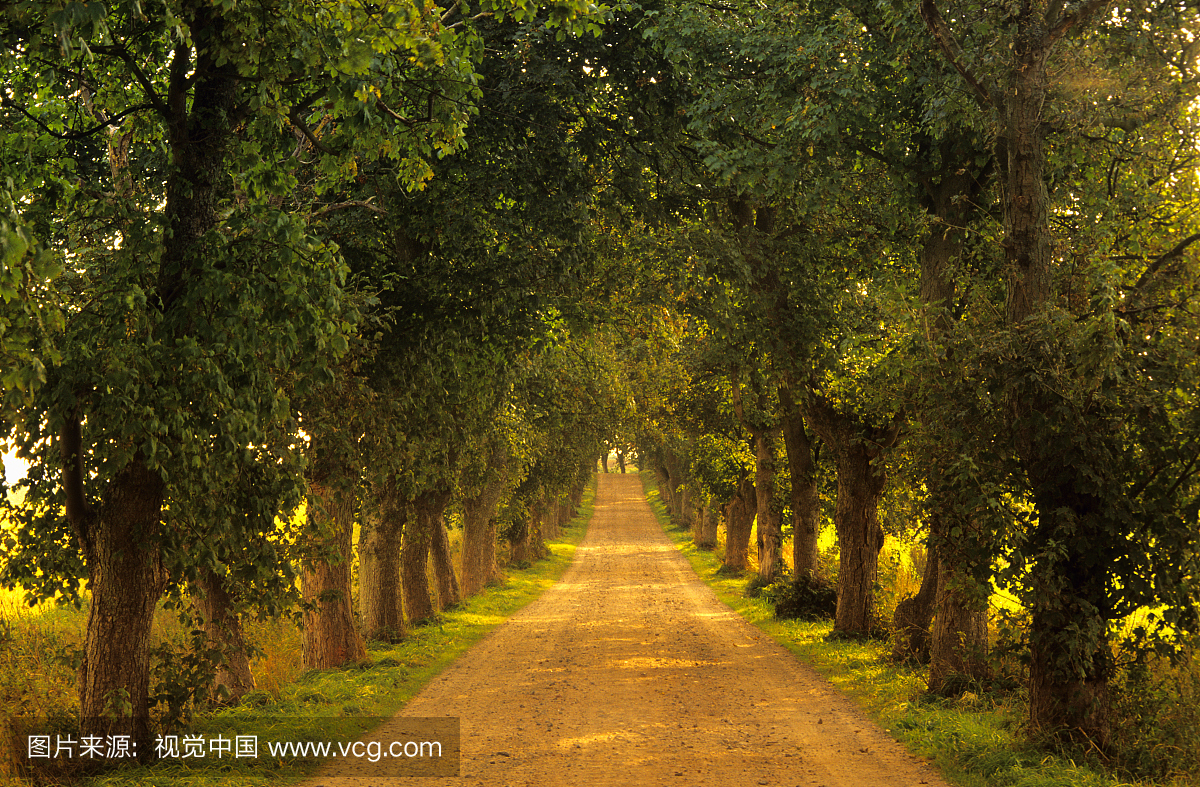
975 741
342 704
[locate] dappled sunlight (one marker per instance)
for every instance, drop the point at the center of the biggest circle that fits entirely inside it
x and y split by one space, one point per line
657 662
628 549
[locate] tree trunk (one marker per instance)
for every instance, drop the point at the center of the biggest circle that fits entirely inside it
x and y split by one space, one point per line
958 650
126 579
330 636
860 538
443 565
739 520
911 623
959 642
491 565
223 628
861 481
414 553
770 526
706 534
1070 664
536 543
663 479
806 502
687 512
1062 705
126 576
379 543
479 534
578 491
551 518
519 551
675 479
1070 661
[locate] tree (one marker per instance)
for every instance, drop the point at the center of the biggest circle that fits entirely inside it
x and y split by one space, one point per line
194 280
1079 388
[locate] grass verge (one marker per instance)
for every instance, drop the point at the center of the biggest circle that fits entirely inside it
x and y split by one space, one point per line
342 704
975 741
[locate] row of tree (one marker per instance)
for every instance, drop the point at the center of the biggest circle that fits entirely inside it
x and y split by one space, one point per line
377 260
274 270
945 255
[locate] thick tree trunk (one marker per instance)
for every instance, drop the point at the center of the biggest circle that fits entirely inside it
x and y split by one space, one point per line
911 623
663 478
687 511
223 628
861 481
959 640
551 518
414 553
578 491
770 525
479 535
806 502
739 520
379 593
1070 658
330 636
126 579
519 550
860 538
126 576
1069 707
1070 665
536 541
443 565
709 521
604 461
490 572
675 479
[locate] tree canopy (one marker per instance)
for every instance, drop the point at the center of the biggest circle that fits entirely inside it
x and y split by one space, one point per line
409 264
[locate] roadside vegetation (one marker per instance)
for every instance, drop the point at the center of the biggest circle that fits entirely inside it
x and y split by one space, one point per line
977 738
291 291
41 648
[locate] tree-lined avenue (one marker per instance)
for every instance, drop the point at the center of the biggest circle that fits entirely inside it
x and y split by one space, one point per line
630 671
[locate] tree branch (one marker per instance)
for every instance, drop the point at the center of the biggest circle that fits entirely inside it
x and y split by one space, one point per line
124 56
945 39
353 204
115 120
299 123
1079 15
461 22
394 115
450 12
1162 260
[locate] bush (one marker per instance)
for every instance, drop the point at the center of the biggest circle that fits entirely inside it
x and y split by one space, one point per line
806 598
1156 717
756 586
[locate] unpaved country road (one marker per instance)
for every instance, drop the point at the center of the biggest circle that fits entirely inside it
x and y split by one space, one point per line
630 672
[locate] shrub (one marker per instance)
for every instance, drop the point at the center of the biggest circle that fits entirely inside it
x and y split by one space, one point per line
805 598
1156 715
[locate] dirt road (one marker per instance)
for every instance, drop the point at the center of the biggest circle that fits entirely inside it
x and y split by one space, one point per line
630 672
